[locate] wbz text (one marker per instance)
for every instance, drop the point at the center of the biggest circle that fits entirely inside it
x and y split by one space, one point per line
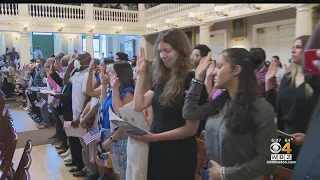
279 154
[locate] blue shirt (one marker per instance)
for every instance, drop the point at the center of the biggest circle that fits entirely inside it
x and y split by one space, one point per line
37 81
108 103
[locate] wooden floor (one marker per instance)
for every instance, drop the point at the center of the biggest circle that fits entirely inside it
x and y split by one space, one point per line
21 120
46 163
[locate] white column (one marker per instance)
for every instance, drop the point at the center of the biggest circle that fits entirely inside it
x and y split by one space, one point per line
143 42
89 45
79 39
204 34
25 48
57 41
70 46
23 10
3 43
103 41
116 44
141 7
89 11
304 19
16 43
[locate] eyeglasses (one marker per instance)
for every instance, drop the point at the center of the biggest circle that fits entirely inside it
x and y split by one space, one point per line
195 55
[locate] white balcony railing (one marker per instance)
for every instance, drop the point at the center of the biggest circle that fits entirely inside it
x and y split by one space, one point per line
9 9
163 10
56 11
70 12
115 15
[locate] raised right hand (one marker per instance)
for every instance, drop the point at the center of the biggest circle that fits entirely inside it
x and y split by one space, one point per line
272 70
71 64
203 66
92 66
104 78
142 62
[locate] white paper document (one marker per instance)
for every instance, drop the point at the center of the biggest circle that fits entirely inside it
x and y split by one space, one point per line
73 132
128 126
46 91
40 103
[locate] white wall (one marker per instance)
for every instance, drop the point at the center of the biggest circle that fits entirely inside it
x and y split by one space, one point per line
123 38
259 19
9 41
2 49
151 45
77 42
112 43
64 43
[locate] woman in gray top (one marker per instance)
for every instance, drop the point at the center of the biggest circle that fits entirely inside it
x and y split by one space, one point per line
240 125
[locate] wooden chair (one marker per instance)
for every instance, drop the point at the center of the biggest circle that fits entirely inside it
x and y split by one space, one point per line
26 175
202 158
6 125
9 147
25 162
280 173
2 102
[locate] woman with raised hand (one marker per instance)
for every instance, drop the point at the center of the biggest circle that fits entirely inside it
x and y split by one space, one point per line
240 124
121 84
137 152
172 145
295 98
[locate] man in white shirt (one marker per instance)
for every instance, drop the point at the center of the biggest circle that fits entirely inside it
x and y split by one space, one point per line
37 53
79 83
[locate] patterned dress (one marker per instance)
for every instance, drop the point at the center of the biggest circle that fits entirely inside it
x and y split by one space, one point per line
119 147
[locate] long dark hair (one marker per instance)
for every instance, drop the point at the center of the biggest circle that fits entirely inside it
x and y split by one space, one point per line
125 74
239 114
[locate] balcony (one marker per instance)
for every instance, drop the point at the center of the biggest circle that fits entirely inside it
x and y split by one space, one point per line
76 19
86 18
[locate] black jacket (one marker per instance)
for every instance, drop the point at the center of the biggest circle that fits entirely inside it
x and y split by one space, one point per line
65 106
308 162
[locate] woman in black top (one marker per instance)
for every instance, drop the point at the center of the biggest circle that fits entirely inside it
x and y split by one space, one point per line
173 151
295 98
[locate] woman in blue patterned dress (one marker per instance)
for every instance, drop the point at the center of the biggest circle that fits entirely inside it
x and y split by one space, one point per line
121 83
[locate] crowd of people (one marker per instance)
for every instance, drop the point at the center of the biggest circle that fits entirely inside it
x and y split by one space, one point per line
126 6
235 99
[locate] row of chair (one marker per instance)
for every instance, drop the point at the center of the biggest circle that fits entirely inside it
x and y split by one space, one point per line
280 173
8 143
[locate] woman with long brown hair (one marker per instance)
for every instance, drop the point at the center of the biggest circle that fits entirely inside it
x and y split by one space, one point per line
172 153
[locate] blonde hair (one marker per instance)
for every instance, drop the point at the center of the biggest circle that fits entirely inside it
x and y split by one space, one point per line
294 71
295 68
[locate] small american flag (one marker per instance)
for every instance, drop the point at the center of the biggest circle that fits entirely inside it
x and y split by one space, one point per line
91 136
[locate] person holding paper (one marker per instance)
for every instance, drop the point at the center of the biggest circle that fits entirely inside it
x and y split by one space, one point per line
79 83
172 143
121 83
295 98
103 123
137 152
